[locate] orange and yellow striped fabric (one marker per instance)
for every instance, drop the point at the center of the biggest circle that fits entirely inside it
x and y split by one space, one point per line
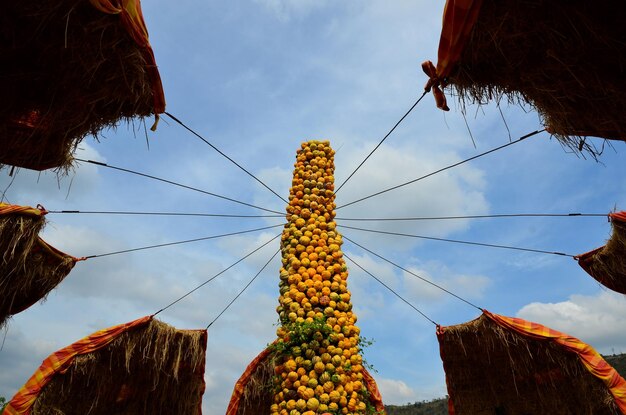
132 19
459 17
61 360
618 216
375 397
7 209
591 359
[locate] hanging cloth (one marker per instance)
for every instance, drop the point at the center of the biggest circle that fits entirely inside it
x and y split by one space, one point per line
459 17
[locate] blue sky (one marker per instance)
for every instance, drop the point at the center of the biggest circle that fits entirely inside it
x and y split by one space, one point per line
258 77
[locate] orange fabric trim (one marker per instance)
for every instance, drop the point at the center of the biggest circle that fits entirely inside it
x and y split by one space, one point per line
55 252
591 359
618 216
372 388
459 17
7 209
584 260
436 84
61 360
131 14
132 19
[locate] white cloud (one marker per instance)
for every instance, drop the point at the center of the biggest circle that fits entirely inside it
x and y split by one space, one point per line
285 10
29 187
466 286
113 277
368 296
148 280
127 286
457 192
345 71
597 320
395 391
532 262
240 245
19 356
277 179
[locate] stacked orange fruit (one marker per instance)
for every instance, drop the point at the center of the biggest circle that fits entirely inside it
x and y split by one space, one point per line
318 366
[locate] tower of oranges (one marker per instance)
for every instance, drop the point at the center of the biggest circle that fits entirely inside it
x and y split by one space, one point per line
318 367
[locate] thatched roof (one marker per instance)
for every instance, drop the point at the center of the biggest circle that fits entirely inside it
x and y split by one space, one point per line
253 393
70 68
607 264
142 367
19 230
29 267
500 365
566 58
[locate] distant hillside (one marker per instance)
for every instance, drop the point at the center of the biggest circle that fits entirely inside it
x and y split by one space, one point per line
618 361
440 406
434 407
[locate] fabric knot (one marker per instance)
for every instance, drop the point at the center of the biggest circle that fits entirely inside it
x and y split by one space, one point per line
156 122
435 83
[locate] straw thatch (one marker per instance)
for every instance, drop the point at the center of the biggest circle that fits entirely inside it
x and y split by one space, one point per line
29 267
258 393
254 392
564 57
155 369
67 70
608 263
43 269
491 370
18 234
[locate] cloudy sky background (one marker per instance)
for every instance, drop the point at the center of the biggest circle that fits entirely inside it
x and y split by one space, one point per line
257 78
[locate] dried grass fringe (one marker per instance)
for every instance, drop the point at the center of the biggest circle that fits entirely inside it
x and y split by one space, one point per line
608 265
155 369
28 272
258 394
490 369
68 71
565 58
18 234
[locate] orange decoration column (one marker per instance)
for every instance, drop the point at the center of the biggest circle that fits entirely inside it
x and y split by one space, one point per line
319 367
